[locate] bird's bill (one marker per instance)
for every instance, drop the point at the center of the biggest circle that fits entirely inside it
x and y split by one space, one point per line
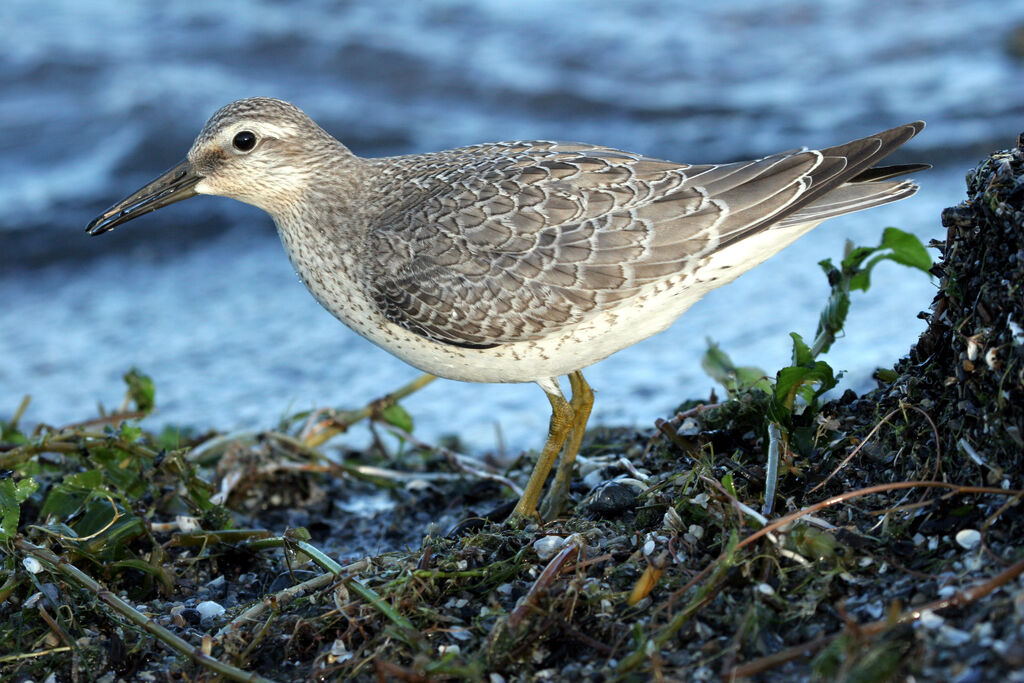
176 184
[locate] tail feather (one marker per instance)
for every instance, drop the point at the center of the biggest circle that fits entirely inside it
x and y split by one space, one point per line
886 172
846 180
848 198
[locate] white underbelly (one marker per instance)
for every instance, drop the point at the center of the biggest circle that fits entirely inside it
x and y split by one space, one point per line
651 311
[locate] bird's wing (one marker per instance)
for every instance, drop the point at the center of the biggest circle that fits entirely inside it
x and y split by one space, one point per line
516 241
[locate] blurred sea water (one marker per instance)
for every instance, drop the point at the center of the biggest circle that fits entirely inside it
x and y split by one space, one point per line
99 97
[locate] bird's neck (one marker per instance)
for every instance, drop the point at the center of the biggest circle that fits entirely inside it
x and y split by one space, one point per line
324 232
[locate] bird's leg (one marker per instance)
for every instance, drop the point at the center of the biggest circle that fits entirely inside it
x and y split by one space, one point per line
558 430
581 403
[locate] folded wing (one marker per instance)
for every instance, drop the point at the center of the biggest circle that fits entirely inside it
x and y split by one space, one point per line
516 241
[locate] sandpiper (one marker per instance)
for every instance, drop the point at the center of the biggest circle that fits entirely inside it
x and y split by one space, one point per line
515 261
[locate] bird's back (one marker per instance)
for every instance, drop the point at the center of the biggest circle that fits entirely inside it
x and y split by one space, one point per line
515 242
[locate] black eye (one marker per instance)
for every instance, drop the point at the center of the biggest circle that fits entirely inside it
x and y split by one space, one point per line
244 141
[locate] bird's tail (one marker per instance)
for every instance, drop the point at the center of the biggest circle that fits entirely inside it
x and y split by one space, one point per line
869 186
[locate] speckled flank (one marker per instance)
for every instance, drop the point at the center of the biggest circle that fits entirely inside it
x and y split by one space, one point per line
522 261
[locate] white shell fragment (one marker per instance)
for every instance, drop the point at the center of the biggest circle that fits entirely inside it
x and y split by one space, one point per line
672 521
209 609
33 600
968 539
931 620
187 523
547 547
340 652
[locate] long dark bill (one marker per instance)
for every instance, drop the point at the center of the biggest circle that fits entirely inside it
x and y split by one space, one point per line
176 184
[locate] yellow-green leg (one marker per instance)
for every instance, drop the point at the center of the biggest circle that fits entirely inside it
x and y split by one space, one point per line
581 403
558 430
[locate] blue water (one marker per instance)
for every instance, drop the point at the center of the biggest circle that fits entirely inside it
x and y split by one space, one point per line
99 97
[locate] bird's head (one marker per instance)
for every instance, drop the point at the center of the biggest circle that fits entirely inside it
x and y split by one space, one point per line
260 150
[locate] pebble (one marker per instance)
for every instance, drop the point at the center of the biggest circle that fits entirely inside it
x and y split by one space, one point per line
191 616
610 499
969 539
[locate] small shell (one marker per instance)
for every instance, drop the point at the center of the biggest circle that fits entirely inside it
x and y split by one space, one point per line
973 347
187 523
209 608
672 521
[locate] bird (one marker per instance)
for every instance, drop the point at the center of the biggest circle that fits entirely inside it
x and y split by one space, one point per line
516 261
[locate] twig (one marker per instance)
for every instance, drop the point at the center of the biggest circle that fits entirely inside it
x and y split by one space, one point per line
705 595
855 451
550 573
874 430
761 519
725 559
461 462
32 655
771 477
316 433
22 407
283 597
105 419
355 586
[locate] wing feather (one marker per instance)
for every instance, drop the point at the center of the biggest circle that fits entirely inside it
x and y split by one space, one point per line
516 241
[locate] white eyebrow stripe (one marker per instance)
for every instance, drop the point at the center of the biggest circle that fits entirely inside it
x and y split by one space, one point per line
267 130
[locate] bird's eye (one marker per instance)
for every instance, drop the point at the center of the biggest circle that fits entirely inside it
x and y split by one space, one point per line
244 141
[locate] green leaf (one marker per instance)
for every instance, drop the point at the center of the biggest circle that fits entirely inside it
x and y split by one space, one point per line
67 498
120 470
113 535
130 431
85 481
9 434
801 352
906 249
899 246
163 574
730 485
887 375
397 416
717 364
12 495
862 278
141 390
855 256
789 381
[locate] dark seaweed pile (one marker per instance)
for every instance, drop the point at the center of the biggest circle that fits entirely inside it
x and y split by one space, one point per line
967 369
